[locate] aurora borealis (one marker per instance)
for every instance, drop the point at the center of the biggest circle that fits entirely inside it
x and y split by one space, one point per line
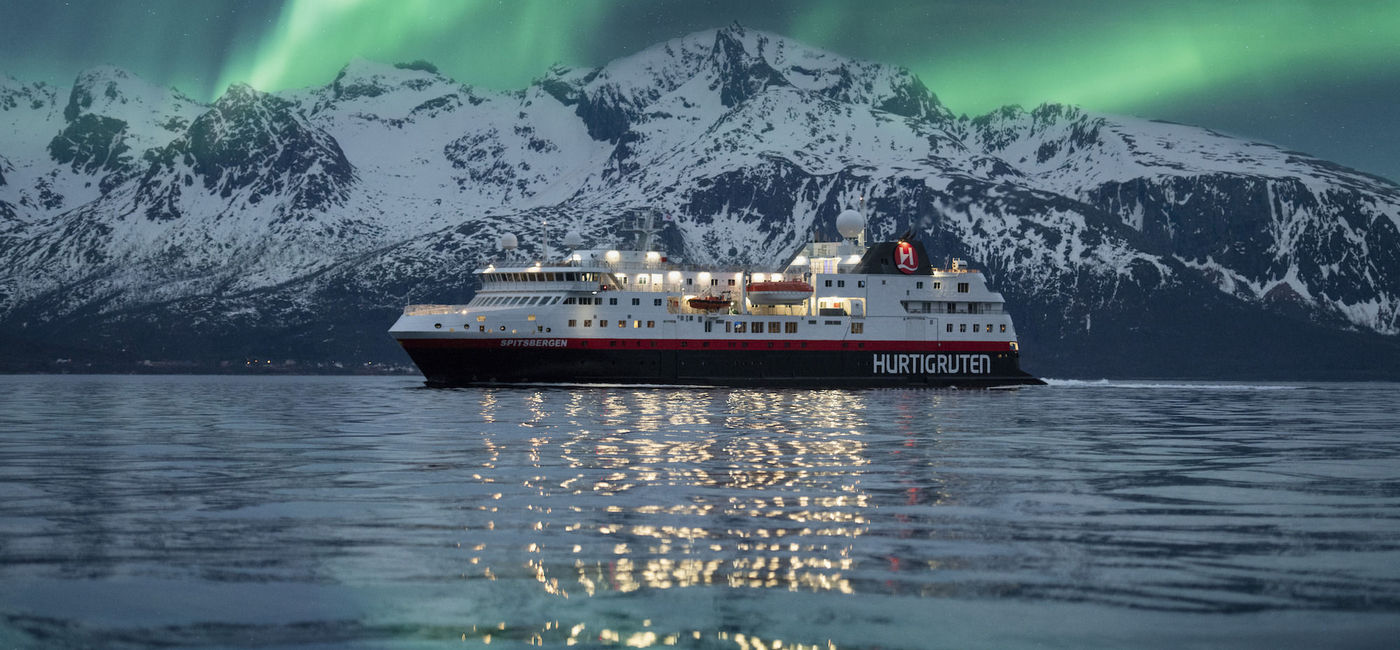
1322 77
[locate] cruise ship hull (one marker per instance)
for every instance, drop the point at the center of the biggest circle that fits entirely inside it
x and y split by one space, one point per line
465 362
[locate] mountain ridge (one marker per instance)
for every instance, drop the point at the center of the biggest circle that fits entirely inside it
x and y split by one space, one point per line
383 186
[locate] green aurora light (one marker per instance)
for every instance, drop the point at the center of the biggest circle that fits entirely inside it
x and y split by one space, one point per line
501 45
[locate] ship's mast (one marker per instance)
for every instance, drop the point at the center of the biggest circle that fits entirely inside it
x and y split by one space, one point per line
643 227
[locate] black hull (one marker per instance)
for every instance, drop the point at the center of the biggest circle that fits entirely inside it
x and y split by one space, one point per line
446 365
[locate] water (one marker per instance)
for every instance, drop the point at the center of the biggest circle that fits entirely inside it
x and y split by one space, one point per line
371 512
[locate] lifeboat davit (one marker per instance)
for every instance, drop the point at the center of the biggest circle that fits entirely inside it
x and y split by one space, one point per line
779 292
708 303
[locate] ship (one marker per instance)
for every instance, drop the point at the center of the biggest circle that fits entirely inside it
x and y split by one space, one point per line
835 314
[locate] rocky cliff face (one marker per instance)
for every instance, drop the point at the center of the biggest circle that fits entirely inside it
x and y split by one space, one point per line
138 224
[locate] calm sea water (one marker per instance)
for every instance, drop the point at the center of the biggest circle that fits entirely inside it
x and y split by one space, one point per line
372 512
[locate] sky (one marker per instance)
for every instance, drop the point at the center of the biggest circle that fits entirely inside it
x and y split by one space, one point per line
1317 76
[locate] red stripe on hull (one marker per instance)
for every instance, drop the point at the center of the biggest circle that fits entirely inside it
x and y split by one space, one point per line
547 343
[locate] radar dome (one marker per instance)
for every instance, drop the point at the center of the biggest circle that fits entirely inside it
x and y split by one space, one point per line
849 223
573 239
509 242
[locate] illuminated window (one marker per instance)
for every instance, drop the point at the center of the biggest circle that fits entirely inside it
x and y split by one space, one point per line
481 328
1003 329
989 328
530 317
481 319
636 324
622 323
857 328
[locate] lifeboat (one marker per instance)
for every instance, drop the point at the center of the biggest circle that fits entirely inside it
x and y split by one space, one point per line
779 292
708 303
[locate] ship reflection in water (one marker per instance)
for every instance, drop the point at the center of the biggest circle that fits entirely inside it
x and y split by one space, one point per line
671 490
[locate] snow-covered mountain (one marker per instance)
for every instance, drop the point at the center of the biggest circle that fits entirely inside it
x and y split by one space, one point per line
136 223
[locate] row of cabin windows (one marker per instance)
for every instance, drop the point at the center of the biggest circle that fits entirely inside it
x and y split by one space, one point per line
542 276
976 327
962 286
636 324
931 307
732 327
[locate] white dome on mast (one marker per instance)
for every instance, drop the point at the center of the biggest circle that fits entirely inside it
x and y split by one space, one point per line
508 242
850 223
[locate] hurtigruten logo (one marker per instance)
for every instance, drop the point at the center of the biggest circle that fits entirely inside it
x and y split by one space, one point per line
931 364
905 259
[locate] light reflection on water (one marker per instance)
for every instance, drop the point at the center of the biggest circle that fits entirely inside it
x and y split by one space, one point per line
208 511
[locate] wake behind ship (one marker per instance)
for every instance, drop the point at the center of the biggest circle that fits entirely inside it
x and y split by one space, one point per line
838 314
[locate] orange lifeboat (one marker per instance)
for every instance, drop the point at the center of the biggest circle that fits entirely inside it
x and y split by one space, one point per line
708 303
778 292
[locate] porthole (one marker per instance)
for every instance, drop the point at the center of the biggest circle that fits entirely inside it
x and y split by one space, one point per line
437 326
503 328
